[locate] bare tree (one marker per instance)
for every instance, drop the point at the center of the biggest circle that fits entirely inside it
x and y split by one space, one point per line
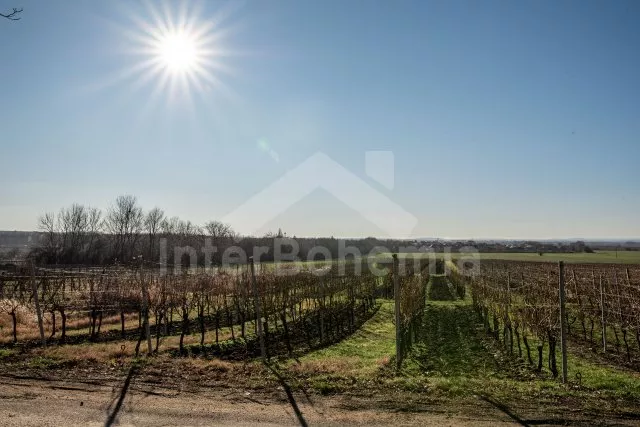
73 223
220 233
125 222
170 225
187 230
71 236
47 224
188 233
168 229
217 229
153 223
13 15
94 227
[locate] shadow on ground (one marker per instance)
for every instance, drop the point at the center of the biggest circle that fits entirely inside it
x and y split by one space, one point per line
447 343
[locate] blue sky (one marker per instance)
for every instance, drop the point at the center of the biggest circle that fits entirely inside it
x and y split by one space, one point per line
506 119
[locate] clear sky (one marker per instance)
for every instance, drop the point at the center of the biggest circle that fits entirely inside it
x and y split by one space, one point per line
506 119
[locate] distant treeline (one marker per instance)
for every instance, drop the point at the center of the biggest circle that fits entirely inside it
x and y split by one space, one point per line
80 234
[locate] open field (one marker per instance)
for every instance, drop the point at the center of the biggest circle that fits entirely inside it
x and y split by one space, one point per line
621 257
605 257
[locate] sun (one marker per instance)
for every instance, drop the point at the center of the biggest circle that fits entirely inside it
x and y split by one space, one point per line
178 52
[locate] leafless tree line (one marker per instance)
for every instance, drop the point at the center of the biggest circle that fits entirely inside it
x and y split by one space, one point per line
81 234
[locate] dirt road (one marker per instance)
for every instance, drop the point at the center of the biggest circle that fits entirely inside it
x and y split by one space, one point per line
26 402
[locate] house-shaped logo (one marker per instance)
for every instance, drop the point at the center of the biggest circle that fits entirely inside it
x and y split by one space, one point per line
321 171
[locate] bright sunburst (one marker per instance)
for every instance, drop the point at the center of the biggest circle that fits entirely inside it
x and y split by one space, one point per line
176 51
179 52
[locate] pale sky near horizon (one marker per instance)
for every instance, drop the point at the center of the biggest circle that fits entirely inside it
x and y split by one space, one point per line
506 119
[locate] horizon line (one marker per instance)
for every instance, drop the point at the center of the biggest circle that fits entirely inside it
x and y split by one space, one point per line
423 238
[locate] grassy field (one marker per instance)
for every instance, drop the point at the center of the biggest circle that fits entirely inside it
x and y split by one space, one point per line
621 257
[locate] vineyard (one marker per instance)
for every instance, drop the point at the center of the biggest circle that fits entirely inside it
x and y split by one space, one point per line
404 324
297 311
246 312
408 282
519 304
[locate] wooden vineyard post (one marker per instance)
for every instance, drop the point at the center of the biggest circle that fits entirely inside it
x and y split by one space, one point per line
563 323
603 317
256 296
507 320
396 298
36 301
147 328
145 308
322 293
